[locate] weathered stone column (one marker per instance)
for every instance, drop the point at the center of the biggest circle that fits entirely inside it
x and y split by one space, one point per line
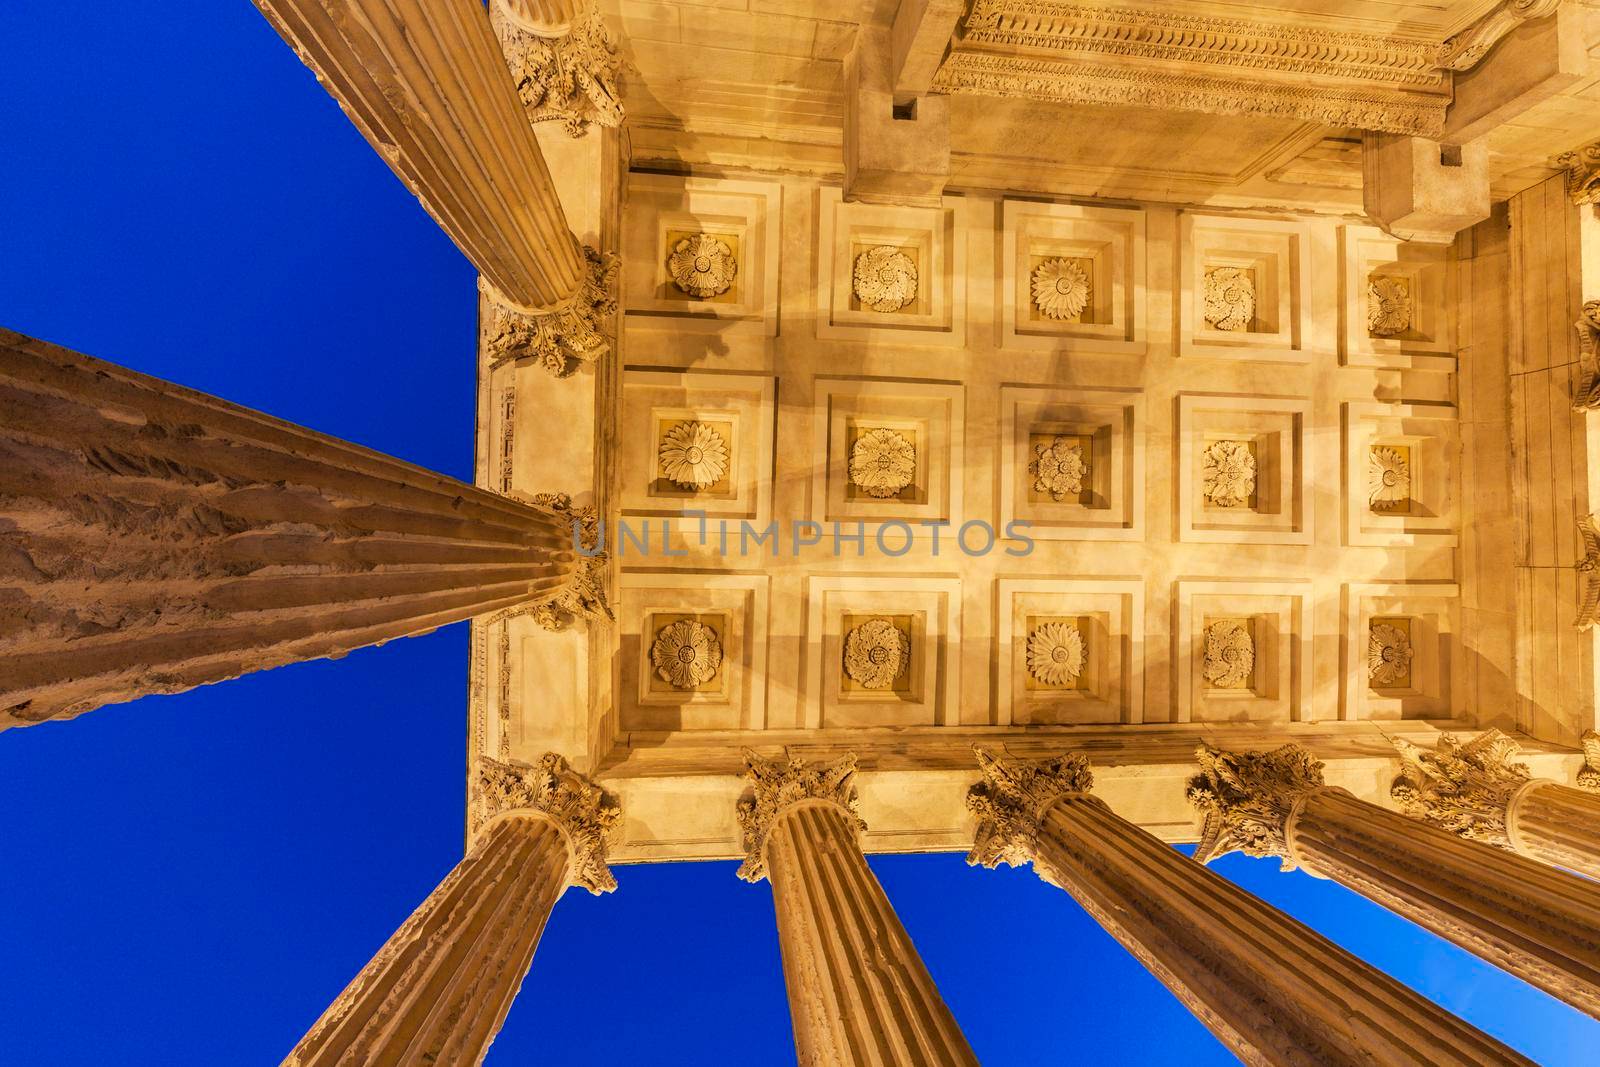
156 539
424 82
859 994
1271 989
439 989
1475 790
1539 923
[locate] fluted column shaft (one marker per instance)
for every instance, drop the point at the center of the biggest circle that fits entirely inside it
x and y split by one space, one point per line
858 992
157 539
425 83
1541 924
1557 824
1270 988
439 989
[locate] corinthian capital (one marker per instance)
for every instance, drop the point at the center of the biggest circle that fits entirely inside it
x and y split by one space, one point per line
1247 798
569 73
584 595
560 336
778 784
578 807
1464 788
1011 799
1583 173
1589 777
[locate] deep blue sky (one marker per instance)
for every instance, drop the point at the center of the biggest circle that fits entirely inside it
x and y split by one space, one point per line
190 880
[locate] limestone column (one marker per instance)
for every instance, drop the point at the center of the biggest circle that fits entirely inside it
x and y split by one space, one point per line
1271 989
1475 790
859 994
156 539
1539 923
424 82
439 989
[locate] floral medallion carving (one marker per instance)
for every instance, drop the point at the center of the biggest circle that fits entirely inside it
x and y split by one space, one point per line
693 455
1388 477
1228 473
1230 298
885 279
1389 654
702 266
1230 654
882 463
1388 305
686 654
1058 468
876 653
1060 289
1055 654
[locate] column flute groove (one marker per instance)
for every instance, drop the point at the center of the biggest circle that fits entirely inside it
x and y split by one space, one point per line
439 989
1271 989
1537 922
159 539
859 994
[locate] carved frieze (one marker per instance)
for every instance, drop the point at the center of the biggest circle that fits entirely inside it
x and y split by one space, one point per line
579 808
1058 468
876 653
882 463
584 595
1060 289
1055 653
1158 57
778 784
1229 658
686 654
573 77
1464 788
1388 477
1389 654
1011 799
562 336
1230 298
884 279
693 455
1583 173
1246 798
1228 473
702 266
1388 306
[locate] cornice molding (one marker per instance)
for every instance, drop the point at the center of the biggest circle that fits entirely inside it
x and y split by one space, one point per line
1463 50
1150 57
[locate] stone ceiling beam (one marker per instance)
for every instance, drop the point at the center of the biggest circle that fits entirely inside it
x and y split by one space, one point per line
1534 61
1422 190
918 39
157 539
893 153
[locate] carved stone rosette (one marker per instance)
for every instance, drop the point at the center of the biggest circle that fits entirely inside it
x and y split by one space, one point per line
1229 657
1270 989
1388 306
882 463
1058 468
1389 655
1228 473
559 336
584 594
884 279
1055 654
1246 799
779 784
876 653
574 77
1583 173
576 806
1230 298
686 654
702 266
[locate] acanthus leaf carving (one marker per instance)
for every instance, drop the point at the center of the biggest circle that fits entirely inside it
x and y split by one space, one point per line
777 785
573 77
1247 798
584 595
1011 800
1586 394
1589 776
586 817
1589 572
561 336
1464 788
1465 49
1583 173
